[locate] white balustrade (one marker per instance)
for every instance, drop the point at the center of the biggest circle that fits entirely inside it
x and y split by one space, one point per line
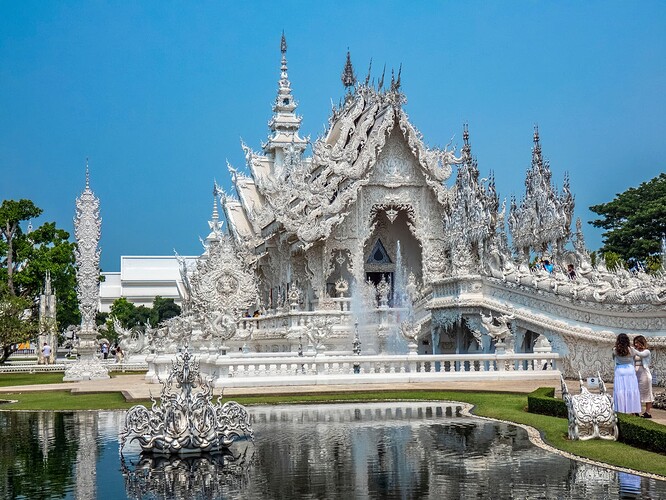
266 370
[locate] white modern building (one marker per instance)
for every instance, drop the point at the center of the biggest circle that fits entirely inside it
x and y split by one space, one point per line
141 279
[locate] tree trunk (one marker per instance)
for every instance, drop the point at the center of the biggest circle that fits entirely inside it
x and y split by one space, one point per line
9 231
6 351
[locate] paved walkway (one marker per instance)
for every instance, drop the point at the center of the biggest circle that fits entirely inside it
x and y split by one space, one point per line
135 388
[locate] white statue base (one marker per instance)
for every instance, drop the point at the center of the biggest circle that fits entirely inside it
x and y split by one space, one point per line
85 369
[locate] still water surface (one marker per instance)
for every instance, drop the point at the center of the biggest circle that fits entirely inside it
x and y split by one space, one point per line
395 450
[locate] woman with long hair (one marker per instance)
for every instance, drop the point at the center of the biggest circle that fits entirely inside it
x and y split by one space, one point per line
626 396
643 374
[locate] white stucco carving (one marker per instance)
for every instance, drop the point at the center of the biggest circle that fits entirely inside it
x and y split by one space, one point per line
309 220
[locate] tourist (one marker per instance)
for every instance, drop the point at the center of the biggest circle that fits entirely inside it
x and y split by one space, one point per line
547 265
642 362
626 396
119 355
46 352
105 350
571 272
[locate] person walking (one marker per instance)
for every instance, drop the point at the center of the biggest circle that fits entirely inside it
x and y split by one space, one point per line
642 361
119 355
626 396
46 352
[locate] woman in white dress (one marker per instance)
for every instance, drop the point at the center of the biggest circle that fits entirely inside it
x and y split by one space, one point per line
626 396
643 374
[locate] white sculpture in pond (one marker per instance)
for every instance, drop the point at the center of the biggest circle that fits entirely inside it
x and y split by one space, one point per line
186 421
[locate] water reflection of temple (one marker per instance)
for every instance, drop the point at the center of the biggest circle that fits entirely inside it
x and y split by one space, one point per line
404 450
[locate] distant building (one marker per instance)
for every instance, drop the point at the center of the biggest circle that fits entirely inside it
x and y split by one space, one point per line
141 279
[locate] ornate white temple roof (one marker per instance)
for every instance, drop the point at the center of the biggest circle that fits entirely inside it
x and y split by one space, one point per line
308 196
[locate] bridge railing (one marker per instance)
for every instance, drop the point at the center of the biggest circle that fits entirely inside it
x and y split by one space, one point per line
111 366
350 369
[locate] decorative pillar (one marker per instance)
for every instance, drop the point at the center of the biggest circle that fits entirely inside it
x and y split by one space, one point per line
87 230
47 322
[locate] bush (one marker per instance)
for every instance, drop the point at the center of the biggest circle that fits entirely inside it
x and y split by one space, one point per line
543 401
634 431
641 433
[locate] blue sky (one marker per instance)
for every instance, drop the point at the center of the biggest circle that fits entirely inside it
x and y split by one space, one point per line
159 94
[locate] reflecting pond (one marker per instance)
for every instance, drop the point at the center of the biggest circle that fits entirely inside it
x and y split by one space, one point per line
370 450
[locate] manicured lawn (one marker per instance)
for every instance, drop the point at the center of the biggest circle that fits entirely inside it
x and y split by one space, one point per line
503 406
7 379
64 400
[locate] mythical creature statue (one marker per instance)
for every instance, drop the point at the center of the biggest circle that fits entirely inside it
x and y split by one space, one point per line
131 340
590 415
497 332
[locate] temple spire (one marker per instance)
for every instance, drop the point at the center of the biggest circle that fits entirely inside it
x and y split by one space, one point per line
367 78
47 283
467 149
537 159
348 77
87 175
284 124
214 223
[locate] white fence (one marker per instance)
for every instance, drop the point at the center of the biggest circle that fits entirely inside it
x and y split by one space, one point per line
249 370
112 366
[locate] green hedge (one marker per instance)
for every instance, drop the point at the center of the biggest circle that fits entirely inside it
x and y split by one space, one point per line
543 401
634 431
641 433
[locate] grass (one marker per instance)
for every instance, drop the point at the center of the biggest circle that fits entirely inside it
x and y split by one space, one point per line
503 406
64 400
8 379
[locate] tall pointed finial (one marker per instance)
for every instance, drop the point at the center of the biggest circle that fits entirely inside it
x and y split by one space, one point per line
47 283
285 123
536 150
397 82
87 175
348 77
467 149
367 78
214 223
216 214
381 80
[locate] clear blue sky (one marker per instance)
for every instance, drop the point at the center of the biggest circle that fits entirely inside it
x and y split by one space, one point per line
158 95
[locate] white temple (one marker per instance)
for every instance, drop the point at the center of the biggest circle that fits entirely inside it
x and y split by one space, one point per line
366 235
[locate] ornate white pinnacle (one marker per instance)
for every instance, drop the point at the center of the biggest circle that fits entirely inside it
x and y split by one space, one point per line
285 123
87 230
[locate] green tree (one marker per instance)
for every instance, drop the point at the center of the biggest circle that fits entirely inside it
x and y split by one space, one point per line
130 316
634 220
25 257
163 309
12 213
16 322
48 249
124 311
